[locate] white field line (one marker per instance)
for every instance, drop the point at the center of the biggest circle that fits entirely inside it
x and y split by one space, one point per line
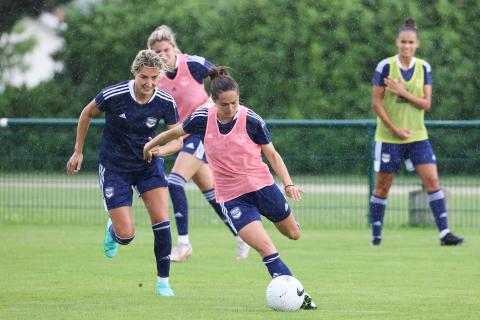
354 189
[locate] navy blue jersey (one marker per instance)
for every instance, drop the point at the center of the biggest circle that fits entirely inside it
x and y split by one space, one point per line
128 124
383 68
256 128
198 67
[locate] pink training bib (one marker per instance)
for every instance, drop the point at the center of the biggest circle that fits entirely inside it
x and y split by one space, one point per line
187 92
235 160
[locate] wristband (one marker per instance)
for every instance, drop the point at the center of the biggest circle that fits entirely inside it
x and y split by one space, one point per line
288 185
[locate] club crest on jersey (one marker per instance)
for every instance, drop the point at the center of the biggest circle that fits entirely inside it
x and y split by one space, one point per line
151 122
385 157
236 213
109 192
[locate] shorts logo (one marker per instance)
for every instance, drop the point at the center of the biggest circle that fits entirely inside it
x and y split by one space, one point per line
385 157
109 192
434 158
151 122
236 213
190 146
286 207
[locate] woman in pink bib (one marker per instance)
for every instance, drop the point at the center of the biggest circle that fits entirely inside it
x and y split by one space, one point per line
235 138
184 82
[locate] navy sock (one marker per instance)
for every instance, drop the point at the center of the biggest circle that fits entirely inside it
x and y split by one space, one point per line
162 247
210 196
117 239
275 265
176 187
439 209
377 212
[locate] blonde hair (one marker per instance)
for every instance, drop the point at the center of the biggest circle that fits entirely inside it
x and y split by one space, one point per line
148 58
160 34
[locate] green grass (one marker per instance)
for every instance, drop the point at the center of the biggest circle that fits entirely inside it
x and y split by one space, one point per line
59 272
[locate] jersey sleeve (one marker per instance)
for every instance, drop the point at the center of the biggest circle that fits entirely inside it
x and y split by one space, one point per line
428 73
257 129
381 72
199 67
102 103
196 123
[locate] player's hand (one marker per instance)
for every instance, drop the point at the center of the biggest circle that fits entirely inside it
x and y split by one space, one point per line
402 133
395 86
294 192
74 164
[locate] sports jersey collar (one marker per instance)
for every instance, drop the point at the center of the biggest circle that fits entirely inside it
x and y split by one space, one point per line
412 63
132 91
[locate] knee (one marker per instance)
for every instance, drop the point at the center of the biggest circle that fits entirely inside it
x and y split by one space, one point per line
294 235
125 235
381 191
431 184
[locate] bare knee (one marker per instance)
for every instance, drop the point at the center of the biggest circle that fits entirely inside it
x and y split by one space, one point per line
126 232
294 234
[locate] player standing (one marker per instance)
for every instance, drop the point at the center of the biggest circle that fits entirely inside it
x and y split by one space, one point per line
402 92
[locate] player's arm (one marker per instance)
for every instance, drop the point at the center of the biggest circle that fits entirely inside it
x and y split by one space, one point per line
169 148
281 171
173 133
377 106
74 164
398 88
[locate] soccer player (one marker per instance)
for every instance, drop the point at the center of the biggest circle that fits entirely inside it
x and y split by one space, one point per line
235 138
133 110
185 82
402 92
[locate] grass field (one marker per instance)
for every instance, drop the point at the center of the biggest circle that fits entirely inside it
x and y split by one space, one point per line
59 272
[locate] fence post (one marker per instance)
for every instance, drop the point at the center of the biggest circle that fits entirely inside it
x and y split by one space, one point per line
371 171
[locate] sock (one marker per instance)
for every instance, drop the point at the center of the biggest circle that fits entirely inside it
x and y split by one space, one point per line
436 200
377 212
275 265
176 187
162 280
210 196
183 239
162 247
117 239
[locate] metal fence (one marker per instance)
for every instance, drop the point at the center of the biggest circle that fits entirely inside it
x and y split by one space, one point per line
330 159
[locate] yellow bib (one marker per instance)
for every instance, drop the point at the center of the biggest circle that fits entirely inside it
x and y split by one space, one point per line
402 113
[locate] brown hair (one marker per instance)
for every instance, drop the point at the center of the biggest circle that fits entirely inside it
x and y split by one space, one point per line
409 24
221 82
148 58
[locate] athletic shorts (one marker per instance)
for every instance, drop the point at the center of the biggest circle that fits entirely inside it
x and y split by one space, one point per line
268 202
117 187
193 144
388 156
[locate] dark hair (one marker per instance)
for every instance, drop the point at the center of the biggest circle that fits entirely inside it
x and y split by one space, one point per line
221 81
408 25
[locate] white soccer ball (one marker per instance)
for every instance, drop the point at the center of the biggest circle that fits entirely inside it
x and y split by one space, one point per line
285 293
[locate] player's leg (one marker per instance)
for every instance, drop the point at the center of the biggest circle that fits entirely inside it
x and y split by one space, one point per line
156 202
424 160
184 168
387 159
117 195
153 189
203 179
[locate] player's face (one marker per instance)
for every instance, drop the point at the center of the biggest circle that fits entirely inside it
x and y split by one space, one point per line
167 51
407 44
146 80
227 104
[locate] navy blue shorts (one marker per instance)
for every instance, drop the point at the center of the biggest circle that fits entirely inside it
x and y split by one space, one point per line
116 187
268 202
193 144
388 156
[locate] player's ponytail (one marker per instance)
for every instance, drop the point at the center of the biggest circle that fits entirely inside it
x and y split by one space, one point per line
221 81
409 24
